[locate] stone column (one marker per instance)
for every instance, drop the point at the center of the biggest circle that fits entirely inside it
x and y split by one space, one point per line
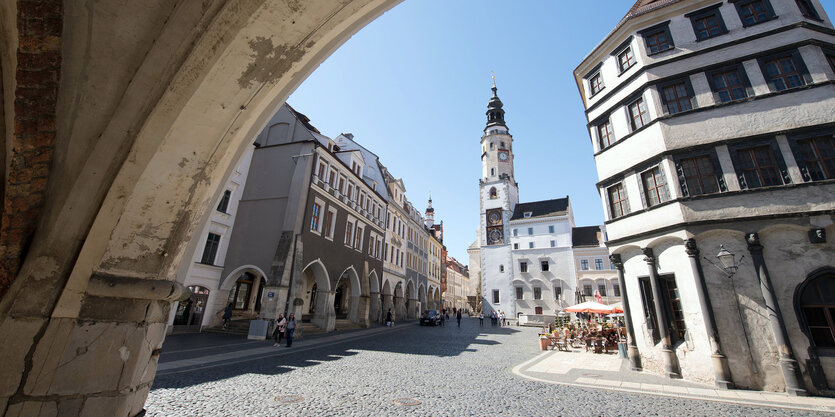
253 295
375 308
634 355
411 309
791 372
388 303
671 368
325 315
722 372
361 309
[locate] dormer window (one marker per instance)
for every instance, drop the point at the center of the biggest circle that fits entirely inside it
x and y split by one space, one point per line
528 214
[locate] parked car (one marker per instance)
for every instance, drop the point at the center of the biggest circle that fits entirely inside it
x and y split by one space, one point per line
430 317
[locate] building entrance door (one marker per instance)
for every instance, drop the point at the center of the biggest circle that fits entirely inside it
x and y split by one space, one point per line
189 315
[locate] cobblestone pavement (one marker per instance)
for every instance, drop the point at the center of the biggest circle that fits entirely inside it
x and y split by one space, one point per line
444 371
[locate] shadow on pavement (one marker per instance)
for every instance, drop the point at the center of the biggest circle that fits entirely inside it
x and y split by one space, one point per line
191 359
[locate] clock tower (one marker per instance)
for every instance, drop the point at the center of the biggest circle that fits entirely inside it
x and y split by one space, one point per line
499 195
499 191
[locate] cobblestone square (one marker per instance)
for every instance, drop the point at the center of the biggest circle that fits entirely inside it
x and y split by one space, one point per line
405 370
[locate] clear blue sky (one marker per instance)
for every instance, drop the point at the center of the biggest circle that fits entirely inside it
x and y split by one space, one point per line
413 87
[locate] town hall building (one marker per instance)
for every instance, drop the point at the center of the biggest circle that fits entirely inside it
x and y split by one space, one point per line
523 251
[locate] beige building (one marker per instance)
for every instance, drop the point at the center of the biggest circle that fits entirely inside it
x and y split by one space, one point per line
458 285
712 130
596 275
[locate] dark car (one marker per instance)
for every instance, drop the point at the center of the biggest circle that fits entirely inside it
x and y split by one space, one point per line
430 317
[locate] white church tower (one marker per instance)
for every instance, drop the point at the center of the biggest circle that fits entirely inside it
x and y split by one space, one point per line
499 195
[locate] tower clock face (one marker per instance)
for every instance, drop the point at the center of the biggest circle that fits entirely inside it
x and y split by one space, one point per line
503 156
494 217
495 236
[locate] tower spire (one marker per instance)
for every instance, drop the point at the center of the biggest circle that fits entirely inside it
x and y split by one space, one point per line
495 113
430 214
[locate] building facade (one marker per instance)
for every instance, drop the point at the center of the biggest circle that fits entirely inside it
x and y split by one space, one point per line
597 278
543 279
458 285
208 253
309 233
712 127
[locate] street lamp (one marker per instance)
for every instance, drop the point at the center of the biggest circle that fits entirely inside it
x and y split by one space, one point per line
728 261
726 258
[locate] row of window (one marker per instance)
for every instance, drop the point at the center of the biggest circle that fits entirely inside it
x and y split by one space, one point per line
532 245
330 174
756 164
323 223
530 230
706 23
598 264
602 289
781 71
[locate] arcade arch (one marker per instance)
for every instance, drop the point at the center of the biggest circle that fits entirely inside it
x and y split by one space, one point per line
139 164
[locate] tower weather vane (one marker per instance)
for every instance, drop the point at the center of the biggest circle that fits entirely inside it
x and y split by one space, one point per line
493 76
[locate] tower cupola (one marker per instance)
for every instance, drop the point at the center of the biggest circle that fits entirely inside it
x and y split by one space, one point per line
495 113
430 214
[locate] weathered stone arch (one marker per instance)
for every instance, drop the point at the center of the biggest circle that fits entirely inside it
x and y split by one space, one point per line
359 307
321 295
375 307
140 162
226 282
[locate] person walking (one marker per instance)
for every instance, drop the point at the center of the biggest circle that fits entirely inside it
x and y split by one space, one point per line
481 319
389 318
503 317
227 316
290 329
442 319
280 328
458 317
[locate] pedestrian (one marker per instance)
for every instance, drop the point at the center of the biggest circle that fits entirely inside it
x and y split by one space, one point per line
290 329
227 316
458 317
504 318
280 328
389 318
442 320
481 319
493 318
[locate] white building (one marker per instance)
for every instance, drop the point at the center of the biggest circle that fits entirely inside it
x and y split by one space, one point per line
712 127
523 253
207 252
543 263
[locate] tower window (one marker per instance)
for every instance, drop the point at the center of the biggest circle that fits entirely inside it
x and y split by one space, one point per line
501 268
495 296
523 267
493 192
493 172
502 143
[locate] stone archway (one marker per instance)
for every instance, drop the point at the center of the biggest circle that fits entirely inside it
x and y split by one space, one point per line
411 301
353 304
387 300
137 166
375 308
317 298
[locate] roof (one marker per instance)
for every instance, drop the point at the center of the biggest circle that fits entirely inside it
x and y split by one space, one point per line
643 6
585 236
302 118
541 208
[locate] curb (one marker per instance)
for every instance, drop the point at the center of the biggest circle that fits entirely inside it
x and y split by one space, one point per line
517 370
